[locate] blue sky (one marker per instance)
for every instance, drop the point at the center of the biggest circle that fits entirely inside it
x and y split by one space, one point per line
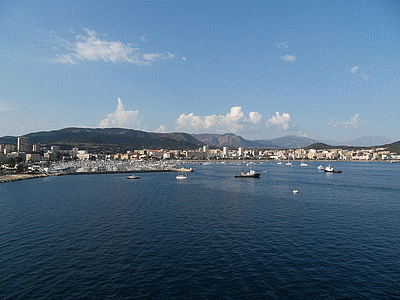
328 70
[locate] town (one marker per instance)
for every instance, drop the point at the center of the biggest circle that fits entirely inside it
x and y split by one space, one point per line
24 157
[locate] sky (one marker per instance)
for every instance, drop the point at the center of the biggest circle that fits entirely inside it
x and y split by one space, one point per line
326 70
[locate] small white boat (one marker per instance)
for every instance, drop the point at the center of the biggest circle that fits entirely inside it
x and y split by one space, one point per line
303 164
320 167
133 177
279 163
295 191
181 176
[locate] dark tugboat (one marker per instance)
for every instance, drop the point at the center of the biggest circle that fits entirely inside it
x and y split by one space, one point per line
251 174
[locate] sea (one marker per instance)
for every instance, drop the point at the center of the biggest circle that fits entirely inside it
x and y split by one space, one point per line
210 236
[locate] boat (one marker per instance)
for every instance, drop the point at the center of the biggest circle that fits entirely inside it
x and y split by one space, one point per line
329 169
303 164
184 170
288 163
279 163
133 177
320 167
181 176
251 174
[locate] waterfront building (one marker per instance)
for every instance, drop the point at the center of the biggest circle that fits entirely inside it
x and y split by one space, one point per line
74 152
225 152
240 151
9 149
33 157
23 144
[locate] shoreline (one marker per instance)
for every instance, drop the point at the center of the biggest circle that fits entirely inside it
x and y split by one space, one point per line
19 177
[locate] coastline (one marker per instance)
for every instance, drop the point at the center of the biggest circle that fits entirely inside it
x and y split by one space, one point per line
19 177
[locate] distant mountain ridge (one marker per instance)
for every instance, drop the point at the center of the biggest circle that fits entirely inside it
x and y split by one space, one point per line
289 141
113 140
110 139
368 141
222 140
365 141
232 140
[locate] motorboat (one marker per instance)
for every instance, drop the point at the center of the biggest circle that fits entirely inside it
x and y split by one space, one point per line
181 176
251 174
133 177
320 167
329 169
303 164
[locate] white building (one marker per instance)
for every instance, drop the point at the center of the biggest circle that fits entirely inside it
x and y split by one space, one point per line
240 151
225 152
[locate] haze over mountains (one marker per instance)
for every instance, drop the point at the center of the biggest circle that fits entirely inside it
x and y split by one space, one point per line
113 139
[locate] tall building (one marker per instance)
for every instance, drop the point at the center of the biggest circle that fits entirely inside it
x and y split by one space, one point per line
240 151
225 151
23 144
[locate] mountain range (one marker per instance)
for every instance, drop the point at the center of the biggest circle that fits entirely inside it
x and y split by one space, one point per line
120 139
109 140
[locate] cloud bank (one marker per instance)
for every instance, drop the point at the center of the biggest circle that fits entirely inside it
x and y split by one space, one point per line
235 121
92 48
121 117
281 122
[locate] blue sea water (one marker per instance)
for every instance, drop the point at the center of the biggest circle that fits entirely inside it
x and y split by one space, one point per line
210 236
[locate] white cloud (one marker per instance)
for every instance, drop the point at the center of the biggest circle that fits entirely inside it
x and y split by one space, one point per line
282 122
355 69
151 57
354 122
161 129
290 58
283 45
121 117
235 121
92 48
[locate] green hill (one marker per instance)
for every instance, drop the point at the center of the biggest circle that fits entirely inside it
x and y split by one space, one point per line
109 140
